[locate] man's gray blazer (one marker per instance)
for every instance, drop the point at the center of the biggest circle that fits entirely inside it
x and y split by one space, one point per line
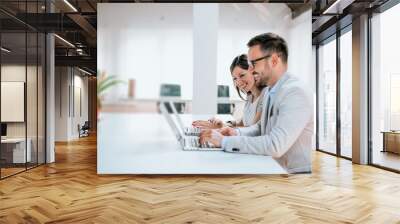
286 134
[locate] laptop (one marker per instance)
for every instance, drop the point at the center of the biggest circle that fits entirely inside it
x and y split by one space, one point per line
192 131
188 143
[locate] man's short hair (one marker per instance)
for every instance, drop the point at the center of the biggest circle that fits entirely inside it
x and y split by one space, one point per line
270 42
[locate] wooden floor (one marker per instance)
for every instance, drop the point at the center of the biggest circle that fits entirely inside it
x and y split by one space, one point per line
70 191
10 171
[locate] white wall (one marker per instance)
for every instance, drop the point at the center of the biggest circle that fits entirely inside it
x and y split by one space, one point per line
153 43
79 117
300 49
62 81
69 82
205 38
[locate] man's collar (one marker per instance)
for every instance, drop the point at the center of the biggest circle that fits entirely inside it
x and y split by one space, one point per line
275 87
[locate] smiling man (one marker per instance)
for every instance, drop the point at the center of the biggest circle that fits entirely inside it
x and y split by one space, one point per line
286 126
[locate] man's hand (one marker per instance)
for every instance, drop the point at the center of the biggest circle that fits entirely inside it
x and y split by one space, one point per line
211 136
227 131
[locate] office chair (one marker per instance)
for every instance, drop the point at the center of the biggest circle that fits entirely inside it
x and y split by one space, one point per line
224 108
172 90
84 130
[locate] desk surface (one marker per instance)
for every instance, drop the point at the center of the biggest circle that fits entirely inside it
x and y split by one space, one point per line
390 132
145 144
14 140
164 98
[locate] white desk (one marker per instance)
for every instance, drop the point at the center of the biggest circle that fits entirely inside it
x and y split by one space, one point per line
18 153
164 99
145 144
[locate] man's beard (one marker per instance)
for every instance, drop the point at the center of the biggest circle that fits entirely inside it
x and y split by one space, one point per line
262 79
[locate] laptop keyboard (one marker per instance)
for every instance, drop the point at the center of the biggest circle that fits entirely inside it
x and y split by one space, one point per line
193 143
193 131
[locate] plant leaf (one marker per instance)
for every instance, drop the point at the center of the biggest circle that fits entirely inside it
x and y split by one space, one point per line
107 85
104 81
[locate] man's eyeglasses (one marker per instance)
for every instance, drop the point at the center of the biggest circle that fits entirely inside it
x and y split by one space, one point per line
253 62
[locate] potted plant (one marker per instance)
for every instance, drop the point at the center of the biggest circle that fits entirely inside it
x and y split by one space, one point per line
104 84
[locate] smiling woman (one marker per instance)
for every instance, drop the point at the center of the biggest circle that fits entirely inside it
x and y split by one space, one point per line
245 84
239 73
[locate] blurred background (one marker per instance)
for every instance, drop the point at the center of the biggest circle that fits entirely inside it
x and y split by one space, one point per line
184 51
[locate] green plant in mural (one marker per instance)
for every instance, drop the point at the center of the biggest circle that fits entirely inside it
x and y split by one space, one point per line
104 84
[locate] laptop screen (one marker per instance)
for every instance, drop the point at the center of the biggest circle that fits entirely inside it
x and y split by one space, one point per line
177 131
178 119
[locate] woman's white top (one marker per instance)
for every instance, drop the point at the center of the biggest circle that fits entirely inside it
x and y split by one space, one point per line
251 108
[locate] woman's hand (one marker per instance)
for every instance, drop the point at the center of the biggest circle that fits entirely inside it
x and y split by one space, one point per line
210 124
202 124
216 123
